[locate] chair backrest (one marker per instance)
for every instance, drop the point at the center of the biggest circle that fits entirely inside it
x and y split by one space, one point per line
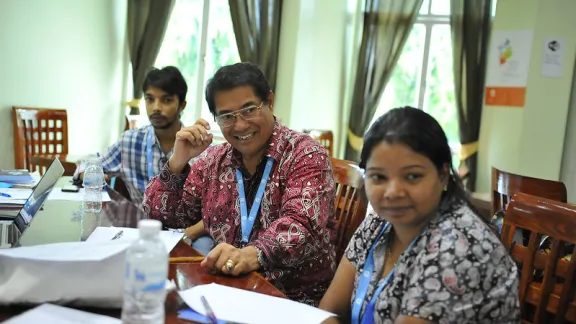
39 132
350 204
325 137
42 163
553 295
505 185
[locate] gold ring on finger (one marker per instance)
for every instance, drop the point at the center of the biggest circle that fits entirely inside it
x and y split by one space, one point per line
229 265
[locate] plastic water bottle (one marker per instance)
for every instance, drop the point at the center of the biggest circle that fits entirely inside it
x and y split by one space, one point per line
93 183
145 276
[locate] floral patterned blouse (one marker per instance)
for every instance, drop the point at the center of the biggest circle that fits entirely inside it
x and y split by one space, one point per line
295 224
458 271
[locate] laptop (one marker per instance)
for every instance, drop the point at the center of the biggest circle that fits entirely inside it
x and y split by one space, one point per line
24 216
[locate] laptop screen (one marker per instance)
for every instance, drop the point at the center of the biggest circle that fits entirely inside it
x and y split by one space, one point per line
39 195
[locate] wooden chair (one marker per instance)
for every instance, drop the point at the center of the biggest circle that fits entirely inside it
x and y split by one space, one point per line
505 185
553 299
350 203
325 137
41 163
39 132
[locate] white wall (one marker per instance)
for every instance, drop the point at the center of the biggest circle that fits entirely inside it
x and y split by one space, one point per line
64 54
530 140
311 67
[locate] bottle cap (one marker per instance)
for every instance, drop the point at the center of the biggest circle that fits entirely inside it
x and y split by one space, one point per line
149 226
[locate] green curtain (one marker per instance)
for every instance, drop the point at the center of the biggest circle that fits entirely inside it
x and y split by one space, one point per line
470 23
147 22
387 25
257 31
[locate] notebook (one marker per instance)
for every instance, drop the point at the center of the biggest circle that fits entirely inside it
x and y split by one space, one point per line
15 176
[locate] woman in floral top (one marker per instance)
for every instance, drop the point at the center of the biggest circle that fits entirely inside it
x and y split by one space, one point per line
424 255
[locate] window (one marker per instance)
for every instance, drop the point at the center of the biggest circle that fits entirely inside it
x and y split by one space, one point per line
423 76
199 39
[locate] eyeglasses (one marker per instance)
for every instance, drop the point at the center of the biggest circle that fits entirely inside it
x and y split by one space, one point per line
229 119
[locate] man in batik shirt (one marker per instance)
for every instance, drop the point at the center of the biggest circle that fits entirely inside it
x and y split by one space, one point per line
266 196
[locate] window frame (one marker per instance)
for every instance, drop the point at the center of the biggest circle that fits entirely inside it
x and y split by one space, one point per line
196 104
429 20
199 96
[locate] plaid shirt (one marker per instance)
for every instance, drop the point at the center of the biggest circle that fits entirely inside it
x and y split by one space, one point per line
127 158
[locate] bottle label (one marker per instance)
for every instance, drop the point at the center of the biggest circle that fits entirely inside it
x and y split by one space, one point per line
151 280
92 179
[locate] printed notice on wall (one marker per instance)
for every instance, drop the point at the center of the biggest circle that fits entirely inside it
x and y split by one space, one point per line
553 57
508 67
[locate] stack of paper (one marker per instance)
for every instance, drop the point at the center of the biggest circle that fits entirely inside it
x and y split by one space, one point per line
14 196
12 200
242 306
76 273
53 314
73 272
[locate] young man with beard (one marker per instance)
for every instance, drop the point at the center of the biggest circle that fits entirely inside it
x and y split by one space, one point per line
140 153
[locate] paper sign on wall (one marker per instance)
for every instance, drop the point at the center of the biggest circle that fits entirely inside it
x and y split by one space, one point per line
508 67
553 57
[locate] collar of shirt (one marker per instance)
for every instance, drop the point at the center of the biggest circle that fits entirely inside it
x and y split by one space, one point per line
156 142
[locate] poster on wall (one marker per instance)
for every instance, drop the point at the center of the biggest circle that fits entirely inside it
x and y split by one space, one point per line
508 67
553 57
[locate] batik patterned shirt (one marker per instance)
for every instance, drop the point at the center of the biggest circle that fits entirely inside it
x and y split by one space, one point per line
458 271
295 224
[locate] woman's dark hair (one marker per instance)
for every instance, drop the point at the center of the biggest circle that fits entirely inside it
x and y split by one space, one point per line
422 133
229 77
168 79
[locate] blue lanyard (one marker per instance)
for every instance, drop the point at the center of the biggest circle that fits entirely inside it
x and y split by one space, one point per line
247 222
364 282
149 158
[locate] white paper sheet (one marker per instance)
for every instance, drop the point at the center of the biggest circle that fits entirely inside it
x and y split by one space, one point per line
57 273
57 194
553 57
105 234
16 194
237 305
12 202
53 314
17 197
68 251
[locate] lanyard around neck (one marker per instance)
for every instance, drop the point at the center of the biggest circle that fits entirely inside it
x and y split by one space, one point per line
364 283
247 221
149 158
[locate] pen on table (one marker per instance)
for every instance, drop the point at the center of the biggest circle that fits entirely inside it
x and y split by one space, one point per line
209 313
118 235
5 195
